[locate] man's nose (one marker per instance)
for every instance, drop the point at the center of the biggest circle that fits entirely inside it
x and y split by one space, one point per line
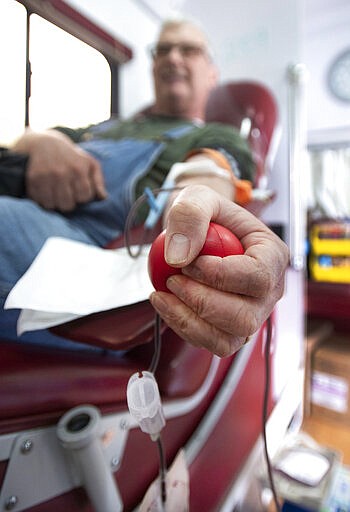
175 52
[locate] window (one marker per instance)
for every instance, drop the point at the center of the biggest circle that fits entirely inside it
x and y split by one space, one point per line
71 82
13 70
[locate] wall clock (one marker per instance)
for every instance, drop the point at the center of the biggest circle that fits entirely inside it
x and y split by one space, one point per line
338 76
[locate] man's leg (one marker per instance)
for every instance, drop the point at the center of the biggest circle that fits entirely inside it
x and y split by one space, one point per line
24 227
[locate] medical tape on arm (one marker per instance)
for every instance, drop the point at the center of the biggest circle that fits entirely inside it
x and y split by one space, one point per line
243 188
177 172
207 167
199 168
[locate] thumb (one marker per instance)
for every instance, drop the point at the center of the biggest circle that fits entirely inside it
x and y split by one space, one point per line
187 224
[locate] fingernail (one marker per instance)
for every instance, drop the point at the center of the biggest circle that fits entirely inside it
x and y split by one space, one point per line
158 303
174 284
178 249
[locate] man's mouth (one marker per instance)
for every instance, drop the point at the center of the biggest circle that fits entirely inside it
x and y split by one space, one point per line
171 77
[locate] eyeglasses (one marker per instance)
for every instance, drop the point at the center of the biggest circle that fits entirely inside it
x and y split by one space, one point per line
186 49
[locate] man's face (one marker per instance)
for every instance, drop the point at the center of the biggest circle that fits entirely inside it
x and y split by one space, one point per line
183 72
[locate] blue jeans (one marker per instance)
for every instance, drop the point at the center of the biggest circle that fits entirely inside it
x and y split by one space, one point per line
25 226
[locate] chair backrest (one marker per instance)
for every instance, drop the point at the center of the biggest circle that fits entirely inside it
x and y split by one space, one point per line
252 108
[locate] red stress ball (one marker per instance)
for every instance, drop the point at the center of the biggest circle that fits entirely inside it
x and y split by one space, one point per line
219 242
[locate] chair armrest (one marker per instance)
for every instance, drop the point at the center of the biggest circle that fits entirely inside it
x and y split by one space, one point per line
115 329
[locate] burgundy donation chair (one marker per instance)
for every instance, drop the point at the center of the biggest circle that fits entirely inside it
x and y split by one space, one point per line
252 108
212 406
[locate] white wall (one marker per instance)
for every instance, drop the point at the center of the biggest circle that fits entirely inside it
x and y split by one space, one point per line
326 33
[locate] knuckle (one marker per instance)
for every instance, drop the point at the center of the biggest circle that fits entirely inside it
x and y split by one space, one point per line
179 319
200 301
284 251
33 178
261 282
186 213
79 171
226 352
58 175
82 195
222 349
225 345
201 306
245 322
183 322
251 323
83 191
219 275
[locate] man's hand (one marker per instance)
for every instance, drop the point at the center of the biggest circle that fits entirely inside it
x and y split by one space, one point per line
60 174
217 302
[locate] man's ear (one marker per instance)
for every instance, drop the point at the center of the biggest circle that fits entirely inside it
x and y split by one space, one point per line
214 76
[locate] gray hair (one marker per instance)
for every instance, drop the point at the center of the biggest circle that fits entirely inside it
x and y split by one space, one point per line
178 21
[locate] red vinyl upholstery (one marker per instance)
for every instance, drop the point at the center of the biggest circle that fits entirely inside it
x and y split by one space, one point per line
39 384
236 102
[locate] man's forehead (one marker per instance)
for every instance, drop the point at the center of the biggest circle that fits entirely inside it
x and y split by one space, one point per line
184 33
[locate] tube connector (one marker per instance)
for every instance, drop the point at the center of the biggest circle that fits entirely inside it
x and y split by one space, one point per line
145 404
